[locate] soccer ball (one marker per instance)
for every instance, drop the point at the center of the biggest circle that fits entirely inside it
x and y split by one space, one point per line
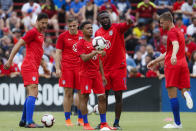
96 109
90 109
99 43
48 120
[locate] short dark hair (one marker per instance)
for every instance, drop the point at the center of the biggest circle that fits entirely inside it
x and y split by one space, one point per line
83 24
101 12
71 19
166 16
42 16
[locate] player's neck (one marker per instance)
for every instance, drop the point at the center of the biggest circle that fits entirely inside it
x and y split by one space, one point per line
73 33
171 26
38 29
87 38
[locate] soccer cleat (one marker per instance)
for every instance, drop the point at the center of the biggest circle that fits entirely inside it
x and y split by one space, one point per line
189 101
106 127
117 126
87 127
97 127
170 126
22 123
68 122
80 122
33 125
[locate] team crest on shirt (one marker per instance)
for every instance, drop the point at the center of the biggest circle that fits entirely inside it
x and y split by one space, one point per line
111 32
74 47
63 82
86 87
33 78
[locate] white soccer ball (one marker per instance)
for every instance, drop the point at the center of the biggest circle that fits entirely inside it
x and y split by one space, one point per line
99 43
48 120
90 109
96 109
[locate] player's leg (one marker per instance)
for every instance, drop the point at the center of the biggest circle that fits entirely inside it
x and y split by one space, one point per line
100 91
77 87
118 85
30 104
67 102
22 122
86 86
172 93
185 86
80 119
118 107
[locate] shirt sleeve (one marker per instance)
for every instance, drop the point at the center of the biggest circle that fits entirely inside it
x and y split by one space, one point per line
123 27
172 36
59 44
29 36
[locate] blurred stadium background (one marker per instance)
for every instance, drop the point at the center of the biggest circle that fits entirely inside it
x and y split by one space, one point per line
144 42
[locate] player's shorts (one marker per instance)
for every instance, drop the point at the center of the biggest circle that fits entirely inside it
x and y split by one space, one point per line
177 76
96 84
70 79
116 79
30 77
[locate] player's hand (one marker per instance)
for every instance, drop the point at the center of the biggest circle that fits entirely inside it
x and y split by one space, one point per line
7 65
101 52
104 80
173 60
58 73
151 64
47 72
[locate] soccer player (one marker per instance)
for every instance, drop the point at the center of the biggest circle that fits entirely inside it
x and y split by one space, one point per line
114 63
68 67
33 40
91 76
176 68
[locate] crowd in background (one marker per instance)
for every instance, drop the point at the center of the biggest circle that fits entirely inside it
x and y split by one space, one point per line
144 41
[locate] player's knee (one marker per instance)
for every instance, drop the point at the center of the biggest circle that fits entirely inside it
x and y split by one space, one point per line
102 98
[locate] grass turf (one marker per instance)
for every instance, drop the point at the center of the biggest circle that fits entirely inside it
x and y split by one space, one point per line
130 121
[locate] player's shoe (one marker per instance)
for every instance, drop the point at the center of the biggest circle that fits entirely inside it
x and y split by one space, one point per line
117 126
68 122
80 122
22 123
98 127
170 126
106 127
189 101
87 127
33 125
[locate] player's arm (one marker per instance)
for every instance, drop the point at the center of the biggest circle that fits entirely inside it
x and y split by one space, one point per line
87 57
58 58
44 66
174 52
102 72
20 43
156 61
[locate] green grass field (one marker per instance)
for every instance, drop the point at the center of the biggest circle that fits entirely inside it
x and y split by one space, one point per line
130 121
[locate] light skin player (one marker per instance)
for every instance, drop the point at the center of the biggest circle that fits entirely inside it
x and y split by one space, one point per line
33 40
91 76
68 67
114 63
175 67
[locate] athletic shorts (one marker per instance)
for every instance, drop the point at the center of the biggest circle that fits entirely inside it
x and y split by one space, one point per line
30 77
116 79
96 84
70 79
177 76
